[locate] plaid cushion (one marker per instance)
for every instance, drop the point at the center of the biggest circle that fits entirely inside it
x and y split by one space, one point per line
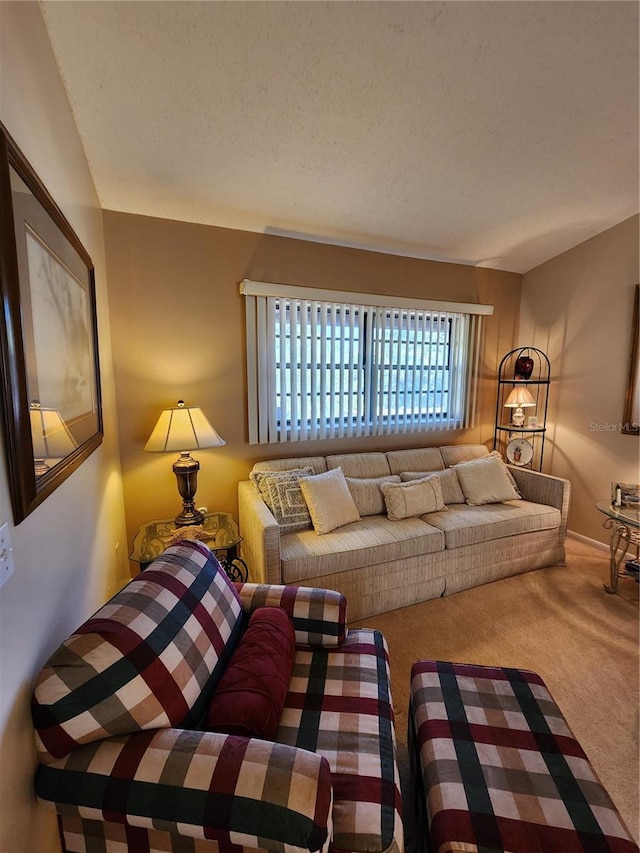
187 784
79 835
148 659
318 615
501 769
339 705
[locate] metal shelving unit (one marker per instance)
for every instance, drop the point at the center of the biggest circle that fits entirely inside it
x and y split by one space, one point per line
525 374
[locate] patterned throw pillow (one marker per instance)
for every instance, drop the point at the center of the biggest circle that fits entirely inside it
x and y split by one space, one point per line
280 490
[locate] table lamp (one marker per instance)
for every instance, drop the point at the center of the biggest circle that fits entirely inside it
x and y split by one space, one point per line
50 436
184 428
519 398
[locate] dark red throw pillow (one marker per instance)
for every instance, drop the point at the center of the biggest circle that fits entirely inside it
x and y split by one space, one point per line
251 693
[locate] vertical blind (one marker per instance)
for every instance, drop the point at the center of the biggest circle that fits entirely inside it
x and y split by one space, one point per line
327 364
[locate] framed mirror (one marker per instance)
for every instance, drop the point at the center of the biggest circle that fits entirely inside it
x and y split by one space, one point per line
631 416
48 341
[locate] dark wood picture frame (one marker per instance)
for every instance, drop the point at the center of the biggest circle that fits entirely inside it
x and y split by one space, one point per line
631 418
48 337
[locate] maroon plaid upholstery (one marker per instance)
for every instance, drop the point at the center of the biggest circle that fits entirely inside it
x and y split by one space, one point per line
126 668
119 712
339 705
338 708
93 836
203 785
501 770
319 615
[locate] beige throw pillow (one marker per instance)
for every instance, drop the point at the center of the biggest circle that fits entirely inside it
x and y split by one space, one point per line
451 491
485 481
367 494
498 455
417 497
329 500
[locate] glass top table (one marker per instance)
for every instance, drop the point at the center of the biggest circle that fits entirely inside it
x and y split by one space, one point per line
219 531
624 524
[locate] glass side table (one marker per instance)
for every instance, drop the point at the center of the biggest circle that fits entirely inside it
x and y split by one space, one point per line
624 523
219 532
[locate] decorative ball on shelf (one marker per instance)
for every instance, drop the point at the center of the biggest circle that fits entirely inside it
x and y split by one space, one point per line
524 367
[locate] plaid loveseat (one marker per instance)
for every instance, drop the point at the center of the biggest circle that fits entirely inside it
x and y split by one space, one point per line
119 712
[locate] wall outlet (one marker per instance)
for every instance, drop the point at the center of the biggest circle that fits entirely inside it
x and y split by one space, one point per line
7 566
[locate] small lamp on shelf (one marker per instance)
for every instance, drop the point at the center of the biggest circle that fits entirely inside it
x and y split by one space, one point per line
519 399
182 429
50 436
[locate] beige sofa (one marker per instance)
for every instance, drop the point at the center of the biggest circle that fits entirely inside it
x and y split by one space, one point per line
379 564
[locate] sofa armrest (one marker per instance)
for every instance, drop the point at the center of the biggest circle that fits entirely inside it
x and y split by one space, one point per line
260 535
319 615
236 790
544 489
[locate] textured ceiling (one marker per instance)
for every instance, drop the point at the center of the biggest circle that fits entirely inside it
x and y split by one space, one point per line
491 133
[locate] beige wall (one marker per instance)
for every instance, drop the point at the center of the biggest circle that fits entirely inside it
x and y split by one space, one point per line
178 332
577 307
64 552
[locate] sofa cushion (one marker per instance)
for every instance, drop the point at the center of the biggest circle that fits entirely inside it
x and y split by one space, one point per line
329 501
250 695
281 492
371 541
470 525
319 616
148 659
417 459
451 491
454 453
176 791
367 494
486 481
360 464
417 497
339 706
317 464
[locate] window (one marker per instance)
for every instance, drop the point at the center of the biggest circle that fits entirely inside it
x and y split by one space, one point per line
321 367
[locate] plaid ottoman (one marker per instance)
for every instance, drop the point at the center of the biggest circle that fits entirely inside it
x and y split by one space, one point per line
497 769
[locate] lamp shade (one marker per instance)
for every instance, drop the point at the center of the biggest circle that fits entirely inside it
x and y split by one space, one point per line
520 397
182 428
49 433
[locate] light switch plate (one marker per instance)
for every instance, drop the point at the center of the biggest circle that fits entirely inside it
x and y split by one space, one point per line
7 567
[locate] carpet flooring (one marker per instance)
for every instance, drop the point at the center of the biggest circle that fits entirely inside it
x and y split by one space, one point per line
557 621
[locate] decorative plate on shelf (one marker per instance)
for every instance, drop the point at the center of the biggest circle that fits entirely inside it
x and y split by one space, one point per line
519 451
